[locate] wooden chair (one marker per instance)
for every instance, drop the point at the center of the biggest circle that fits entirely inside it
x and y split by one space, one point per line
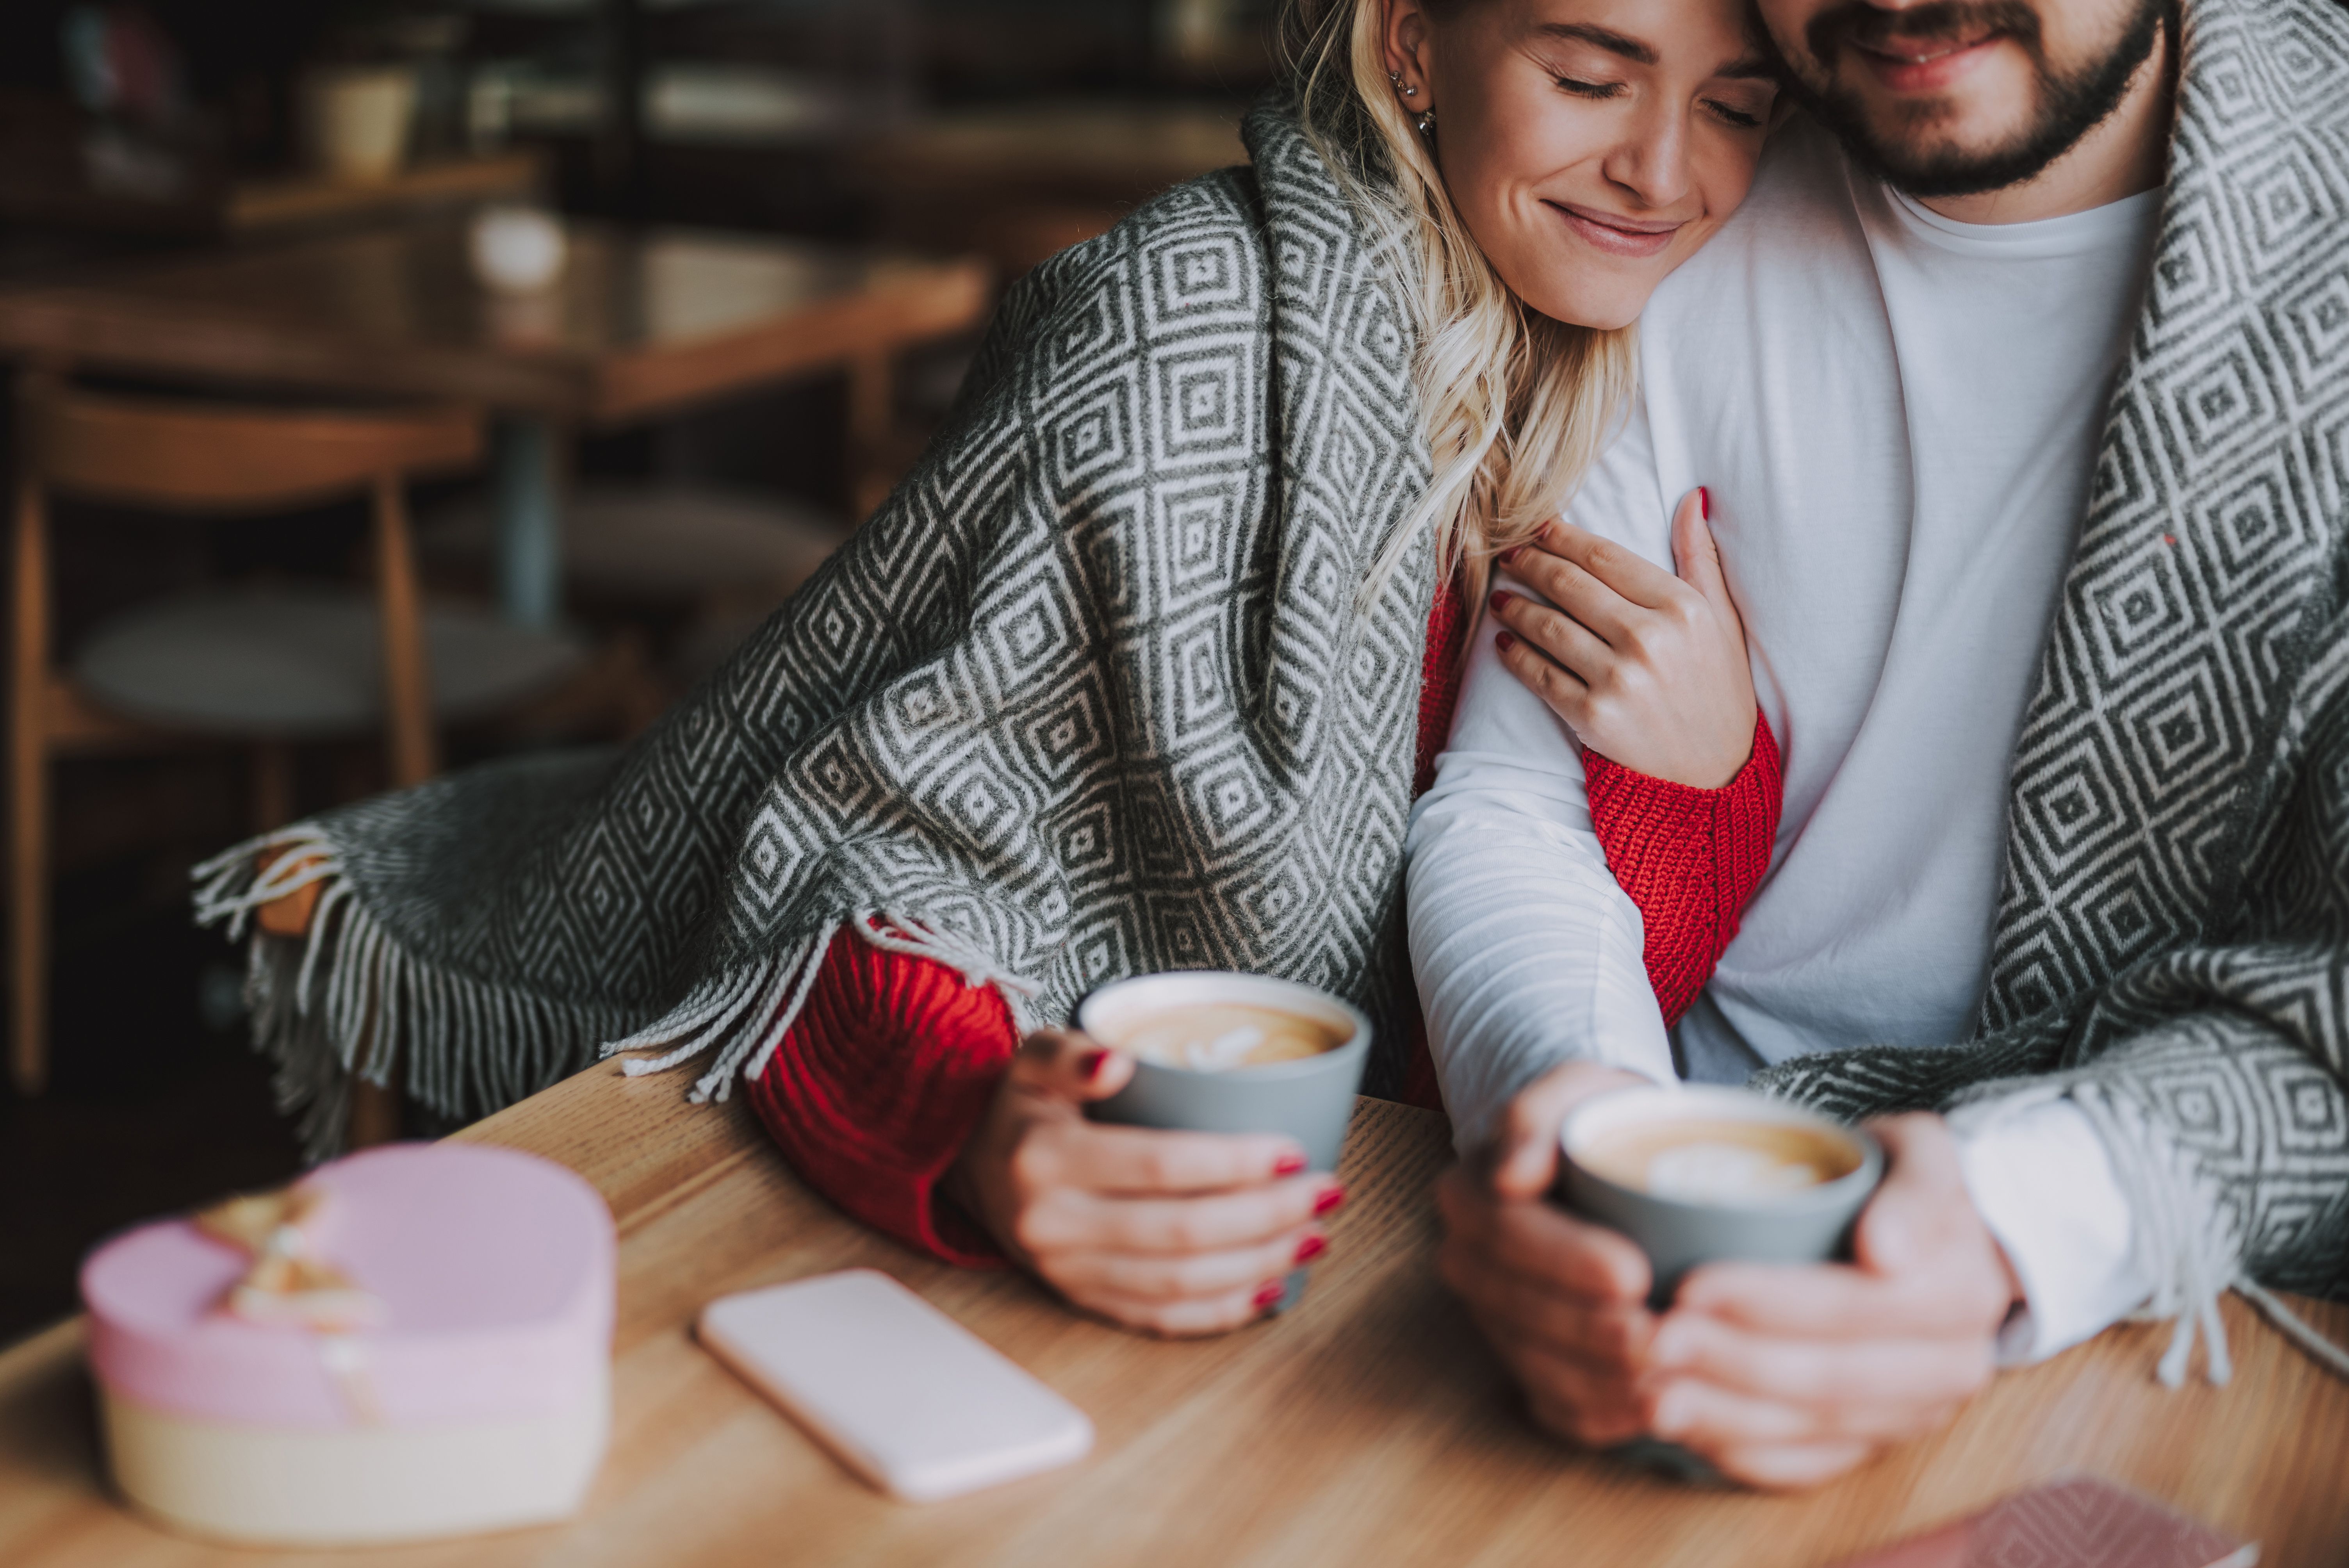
265 668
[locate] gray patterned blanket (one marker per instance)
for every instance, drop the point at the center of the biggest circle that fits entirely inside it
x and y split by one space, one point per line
2172 948
1094 693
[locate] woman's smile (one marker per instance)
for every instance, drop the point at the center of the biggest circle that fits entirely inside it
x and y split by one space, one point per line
1614 234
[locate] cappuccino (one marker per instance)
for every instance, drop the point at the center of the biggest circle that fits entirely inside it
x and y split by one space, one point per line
1218 1036
1717 1160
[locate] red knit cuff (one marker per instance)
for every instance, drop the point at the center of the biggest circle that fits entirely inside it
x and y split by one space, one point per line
1691 859
879 1083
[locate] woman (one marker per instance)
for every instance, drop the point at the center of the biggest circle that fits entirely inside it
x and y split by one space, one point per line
1124 676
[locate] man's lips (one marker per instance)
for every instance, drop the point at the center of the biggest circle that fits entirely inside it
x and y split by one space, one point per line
1616 236
1923 65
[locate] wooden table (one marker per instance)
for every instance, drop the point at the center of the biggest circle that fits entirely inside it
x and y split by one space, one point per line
1370 1425
642 322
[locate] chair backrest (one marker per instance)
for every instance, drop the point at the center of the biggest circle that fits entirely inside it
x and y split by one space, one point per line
221 457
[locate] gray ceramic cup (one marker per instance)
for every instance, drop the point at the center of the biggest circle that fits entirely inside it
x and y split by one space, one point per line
1806 1225
1311 1099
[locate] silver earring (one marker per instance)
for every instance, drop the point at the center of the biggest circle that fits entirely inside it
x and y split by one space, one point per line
1426 122
1411 92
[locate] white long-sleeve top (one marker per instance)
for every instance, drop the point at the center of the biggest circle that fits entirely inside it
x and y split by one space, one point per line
1897 416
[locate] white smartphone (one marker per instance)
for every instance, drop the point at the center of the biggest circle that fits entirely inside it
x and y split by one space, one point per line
900 1393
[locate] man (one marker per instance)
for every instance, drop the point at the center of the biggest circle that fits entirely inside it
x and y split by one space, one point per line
2075 792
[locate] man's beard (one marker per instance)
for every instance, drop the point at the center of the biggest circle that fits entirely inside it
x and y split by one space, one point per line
2070 106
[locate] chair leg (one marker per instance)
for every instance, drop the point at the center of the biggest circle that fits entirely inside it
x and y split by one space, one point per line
407 700
374 1115
273 785
28 798
871 415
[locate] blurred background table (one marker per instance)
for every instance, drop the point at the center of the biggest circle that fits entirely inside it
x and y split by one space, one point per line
1367 1426
641 323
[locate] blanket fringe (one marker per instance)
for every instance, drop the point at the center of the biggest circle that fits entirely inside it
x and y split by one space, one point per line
2191 1254
2179 1229
349 1000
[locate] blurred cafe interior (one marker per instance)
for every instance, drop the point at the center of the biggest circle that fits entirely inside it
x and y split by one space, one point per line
556 340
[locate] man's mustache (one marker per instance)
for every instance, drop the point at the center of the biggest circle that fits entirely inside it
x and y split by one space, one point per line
1857 22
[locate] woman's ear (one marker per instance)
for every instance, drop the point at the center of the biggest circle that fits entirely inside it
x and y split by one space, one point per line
1403 40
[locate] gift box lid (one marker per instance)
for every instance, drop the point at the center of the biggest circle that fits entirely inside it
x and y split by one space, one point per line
485 1278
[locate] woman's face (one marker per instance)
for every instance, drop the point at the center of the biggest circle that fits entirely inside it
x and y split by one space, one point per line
1590 146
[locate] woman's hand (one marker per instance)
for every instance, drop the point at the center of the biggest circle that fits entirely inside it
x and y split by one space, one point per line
1646 668
1169 1233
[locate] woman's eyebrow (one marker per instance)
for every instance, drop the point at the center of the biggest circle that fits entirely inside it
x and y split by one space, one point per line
1746 68
1599 37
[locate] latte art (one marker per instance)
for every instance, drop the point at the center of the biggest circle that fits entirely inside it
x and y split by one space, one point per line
1218 1036
1719 1162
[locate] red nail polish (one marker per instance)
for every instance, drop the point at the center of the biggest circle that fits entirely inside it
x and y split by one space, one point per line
1311 1247
1704 502
1289 1165
1500 602
1088 1066
1271 1294
1504 641
1328 1201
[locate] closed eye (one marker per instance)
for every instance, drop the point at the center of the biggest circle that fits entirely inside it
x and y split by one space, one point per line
1734 116
1591 89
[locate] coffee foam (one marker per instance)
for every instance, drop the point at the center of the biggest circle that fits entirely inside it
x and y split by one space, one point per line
1716 1161
1218 1036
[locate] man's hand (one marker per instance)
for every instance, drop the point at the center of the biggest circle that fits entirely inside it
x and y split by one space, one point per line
1646 668
1780 1376
1787 1377
1170 1233
1562 1300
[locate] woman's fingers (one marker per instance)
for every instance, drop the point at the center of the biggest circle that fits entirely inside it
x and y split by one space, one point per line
1571 587
1072 1219
1698 557
1560 688
1068 1065
1189 1319
1138 1162
1621 573
1169 1277
1563 638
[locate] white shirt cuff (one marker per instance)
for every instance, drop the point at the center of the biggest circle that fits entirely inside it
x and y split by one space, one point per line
2042 1183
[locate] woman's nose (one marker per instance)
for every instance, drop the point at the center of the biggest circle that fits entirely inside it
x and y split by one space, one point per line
1651 162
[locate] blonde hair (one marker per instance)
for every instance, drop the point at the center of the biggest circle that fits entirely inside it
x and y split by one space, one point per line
1516 405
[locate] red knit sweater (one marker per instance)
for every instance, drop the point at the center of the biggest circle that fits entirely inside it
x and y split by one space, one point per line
877 1085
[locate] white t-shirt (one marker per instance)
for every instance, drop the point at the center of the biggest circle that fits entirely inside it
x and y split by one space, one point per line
1897 417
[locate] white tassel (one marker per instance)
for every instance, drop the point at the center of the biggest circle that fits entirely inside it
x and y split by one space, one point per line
2181 1236
231 885
894 932
707 1022
780 1008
